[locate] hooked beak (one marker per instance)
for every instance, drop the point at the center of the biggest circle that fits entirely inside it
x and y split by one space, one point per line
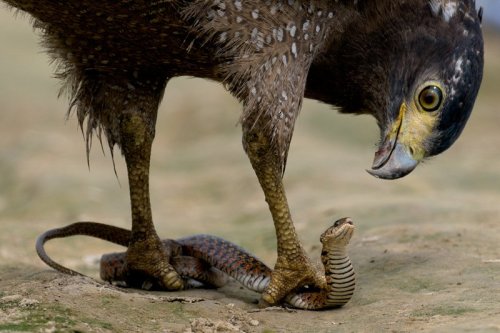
393 159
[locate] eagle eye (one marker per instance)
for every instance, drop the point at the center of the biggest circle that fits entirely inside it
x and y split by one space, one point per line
430 98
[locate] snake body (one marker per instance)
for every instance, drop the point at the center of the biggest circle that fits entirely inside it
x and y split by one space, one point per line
205 257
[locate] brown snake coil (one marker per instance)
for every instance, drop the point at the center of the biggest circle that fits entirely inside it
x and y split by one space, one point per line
204 257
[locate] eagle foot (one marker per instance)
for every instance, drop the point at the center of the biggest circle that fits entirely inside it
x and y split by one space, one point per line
147 266
290 275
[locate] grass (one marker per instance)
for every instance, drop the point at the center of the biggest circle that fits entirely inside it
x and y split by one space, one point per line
415 285
443 310
37 317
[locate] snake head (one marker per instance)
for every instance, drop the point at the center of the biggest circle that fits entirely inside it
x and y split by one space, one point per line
339 233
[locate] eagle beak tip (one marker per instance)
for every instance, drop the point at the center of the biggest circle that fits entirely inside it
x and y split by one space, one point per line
398 164
373 173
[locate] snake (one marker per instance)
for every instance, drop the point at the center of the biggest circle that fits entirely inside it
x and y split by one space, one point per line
210 260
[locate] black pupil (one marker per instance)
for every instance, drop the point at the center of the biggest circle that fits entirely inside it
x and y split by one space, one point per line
429 98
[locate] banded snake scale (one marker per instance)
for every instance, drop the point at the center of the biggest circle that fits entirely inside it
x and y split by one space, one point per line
207 259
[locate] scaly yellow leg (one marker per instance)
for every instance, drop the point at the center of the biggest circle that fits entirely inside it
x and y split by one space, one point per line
146 256
293 268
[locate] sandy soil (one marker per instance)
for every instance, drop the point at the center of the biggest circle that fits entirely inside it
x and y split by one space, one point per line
426 247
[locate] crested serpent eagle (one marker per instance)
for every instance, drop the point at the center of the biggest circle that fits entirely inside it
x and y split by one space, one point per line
414 65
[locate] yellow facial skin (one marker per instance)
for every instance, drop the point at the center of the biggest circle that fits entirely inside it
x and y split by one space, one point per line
414 126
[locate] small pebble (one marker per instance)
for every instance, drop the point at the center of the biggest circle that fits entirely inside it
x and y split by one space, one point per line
27 302
254 322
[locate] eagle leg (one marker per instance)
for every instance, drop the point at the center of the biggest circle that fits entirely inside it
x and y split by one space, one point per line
293 268
145 256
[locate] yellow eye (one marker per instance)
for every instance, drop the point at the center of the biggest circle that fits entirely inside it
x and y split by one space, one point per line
430 98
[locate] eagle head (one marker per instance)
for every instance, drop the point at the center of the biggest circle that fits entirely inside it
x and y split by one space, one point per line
416 66
434 76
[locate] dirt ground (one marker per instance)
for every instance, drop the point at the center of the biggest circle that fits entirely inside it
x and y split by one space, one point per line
426 249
